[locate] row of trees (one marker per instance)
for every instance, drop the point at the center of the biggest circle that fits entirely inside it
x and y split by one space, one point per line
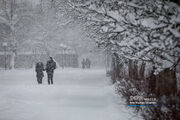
34 26
42 27
142 36
146 31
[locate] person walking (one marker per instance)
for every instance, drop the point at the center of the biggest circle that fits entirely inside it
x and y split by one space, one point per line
83 63
88 63
39 72
50 67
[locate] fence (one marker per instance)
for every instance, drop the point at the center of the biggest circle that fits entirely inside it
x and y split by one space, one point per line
28 60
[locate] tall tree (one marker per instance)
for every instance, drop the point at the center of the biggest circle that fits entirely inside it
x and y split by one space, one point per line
147 31
11 16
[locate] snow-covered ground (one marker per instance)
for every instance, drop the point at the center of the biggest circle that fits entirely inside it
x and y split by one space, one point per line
76 95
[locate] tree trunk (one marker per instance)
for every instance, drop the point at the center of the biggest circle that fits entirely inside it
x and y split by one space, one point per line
113 73
130 68
142 70
13 61
135 70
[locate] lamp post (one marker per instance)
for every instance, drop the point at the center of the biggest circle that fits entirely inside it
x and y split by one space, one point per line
5 44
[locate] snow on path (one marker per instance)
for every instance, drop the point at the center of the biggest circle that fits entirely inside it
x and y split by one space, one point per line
76 95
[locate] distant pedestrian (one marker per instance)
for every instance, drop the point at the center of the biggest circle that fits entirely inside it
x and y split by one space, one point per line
88 63
83 63
50 67
39 72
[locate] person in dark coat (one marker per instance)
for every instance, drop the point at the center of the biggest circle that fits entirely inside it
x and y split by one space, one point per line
88 63
50 67
39 72
83 63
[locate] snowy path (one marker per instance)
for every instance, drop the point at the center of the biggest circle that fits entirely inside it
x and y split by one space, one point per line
76 95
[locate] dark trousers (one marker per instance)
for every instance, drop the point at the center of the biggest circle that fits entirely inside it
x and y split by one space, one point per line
50 78
39 80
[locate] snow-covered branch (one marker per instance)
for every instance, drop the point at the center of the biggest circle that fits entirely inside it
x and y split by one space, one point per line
147 27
